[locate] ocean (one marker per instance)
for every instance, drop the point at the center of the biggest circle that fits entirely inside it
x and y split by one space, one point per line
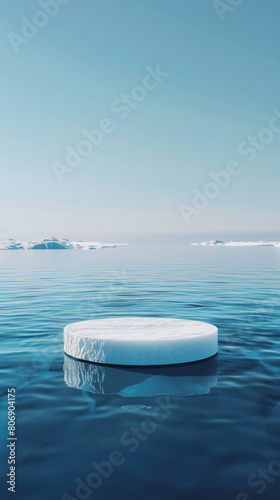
207 431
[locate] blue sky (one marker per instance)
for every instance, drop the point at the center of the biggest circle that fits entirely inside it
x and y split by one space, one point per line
221 88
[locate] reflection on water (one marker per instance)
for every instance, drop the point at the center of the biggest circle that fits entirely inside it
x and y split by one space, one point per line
181 380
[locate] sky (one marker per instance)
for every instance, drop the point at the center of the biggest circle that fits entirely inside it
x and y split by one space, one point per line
174 92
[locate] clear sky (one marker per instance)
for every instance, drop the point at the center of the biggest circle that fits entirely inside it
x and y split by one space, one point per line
219 86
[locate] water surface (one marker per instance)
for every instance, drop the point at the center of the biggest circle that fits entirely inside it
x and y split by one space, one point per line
197 432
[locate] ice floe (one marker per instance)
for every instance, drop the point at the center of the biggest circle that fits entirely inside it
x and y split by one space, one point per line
54 244
260 243
141 341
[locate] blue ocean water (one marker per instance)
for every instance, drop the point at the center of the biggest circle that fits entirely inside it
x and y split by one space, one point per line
204 431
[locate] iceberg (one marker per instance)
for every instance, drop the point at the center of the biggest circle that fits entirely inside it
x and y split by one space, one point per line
140 341
53 243
260 243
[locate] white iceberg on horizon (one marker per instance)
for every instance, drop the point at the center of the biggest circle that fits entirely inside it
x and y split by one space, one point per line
260 243
207 243
53 243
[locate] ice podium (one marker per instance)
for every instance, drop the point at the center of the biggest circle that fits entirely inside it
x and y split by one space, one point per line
140 341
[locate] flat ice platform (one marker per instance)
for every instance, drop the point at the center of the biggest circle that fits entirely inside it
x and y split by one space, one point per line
140 341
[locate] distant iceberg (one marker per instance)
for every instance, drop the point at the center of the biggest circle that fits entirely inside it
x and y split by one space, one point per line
260 243
55 244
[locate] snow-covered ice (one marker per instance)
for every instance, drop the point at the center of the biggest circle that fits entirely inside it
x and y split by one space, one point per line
260 243
140 341
54 244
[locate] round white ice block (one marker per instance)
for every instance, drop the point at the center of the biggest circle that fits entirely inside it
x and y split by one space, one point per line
140 341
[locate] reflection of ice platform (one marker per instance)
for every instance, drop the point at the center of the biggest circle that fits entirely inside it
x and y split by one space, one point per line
141 341
181 380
